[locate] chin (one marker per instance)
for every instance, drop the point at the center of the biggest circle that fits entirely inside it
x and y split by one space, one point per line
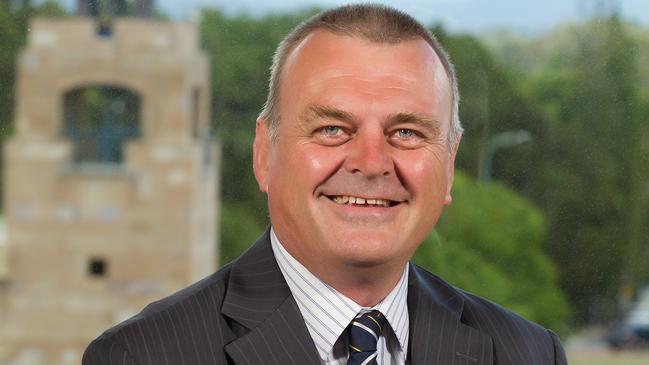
370 251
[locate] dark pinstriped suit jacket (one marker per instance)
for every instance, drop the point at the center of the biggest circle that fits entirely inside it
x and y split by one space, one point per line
245 314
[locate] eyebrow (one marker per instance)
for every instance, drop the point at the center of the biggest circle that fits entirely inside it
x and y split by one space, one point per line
327 112
422 120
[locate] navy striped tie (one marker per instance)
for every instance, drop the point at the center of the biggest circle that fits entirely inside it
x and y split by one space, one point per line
364 332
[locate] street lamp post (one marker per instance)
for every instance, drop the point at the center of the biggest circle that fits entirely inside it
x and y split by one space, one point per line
496 142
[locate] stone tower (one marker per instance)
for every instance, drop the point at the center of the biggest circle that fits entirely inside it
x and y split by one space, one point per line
111 181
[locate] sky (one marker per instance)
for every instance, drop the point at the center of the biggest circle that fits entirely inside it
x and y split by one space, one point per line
472 16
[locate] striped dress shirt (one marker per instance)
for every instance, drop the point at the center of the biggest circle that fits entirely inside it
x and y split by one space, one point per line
327 312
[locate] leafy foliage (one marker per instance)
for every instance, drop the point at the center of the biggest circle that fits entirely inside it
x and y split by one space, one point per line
490 242
591 172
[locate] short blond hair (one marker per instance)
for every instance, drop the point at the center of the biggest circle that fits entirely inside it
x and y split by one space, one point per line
376 23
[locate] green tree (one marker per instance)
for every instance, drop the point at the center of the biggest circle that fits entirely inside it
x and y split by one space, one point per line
490 241
589 162
591 159
492 103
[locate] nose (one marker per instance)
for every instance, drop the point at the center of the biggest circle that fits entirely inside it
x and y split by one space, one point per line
369 155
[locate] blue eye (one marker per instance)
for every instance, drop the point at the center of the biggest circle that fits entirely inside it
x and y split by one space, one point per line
405 133
331 130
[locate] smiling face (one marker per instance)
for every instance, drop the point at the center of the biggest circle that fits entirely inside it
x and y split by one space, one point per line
361 168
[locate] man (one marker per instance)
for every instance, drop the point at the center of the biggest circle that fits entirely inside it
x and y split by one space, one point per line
355 149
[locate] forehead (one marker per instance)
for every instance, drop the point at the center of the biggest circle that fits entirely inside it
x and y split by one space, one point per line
325 64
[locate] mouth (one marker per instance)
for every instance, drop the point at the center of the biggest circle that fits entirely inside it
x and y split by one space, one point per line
358 201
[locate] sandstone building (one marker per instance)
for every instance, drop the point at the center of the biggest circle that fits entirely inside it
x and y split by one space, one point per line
110 181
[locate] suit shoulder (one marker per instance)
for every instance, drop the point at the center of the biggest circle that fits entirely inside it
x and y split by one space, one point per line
478 310
170 324
105 351
208 290
516 340
514 336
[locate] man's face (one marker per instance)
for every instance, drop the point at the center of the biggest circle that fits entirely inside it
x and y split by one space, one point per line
361 168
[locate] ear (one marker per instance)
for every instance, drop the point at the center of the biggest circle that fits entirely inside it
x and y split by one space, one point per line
451 172
261 154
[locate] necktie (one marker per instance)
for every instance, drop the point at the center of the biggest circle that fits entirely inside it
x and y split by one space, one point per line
364 332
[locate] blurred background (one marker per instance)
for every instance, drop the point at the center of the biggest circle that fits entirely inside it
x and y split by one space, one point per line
137 141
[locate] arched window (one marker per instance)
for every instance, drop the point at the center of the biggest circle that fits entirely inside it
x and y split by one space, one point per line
98 120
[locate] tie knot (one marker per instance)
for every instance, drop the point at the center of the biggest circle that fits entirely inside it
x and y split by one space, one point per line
364 333
373 321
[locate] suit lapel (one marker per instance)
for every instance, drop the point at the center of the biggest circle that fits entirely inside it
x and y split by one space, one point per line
437 335
259 299
281 339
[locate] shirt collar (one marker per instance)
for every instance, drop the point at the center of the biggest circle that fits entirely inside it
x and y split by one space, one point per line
327 312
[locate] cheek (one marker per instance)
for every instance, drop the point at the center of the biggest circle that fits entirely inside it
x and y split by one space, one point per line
314 163
421 167
424 173
303 168
317 160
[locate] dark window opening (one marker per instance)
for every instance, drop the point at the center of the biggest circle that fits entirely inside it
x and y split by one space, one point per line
99 120
104 29
97 267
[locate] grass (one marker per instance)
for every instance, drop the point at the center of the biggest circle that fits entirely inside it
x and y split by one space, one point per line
605 357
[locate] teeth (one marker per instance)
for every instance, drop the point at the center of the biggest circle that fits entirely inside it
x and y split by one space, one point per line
344 199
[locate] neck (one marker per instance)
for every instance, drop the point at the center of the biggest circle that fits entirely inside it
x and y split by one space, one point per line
366 287
364 283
